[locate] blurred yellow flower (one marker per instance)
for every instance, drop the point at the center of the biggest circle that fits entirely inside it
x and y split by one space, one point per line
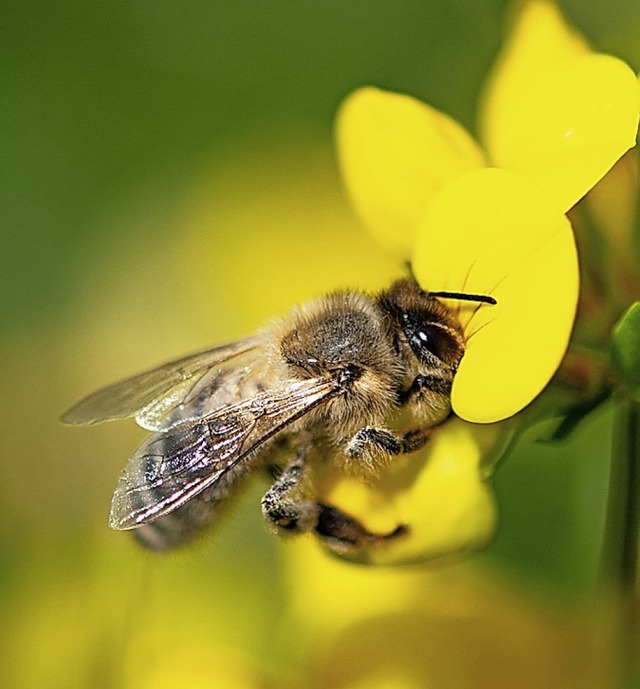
555 118
407 628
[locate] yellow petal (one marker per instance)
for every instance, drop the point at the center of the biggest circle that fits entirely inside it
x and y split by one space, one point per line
395 153
437 494
555 112
491 232
540 38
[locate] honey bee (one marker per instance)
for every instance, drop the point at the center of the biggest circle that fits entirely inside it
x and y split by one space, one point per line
323 379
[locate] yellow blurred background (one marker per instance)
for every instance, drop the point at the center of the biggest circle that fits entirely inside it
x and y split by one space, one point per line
169 183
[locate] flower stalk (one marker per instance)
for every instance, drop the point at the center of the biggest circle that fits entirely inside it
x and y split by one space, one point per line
620 551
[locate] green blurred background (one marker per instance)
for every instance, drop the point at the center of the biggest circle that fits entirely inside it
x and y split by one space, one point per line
167 182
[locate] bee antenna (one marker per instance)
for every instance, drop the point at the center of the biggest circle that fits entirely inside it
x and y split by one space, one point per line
462 296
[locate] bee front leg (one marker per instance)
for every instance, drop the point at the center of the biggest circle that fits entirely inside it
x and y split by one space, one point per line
371 444
429 385
284 505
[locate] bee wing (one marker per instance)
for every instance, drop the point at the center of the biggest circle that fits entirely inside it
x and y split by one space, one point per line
240 378
170 468
158 390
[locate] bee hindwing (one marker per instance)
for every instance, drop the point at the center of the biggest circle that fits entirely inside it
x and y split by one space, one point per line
160 389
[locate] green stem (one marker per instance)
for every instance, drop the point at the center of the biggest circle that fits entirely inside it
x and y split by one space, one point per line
620 561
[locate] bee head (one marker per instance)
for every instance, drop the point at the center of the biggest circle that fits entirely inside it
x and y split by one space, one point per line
430 329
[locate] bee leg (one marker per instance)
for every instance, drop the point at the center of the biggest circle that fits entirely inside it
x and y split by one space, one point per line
423 384
343 534
284 505
416 438
369 443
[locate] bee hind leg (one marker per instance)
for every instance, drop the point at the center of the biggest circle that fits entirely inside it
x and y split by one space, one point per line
344 534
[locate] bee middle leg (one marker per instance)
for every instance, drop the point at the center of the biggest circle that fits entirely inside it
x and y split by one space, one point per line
285 505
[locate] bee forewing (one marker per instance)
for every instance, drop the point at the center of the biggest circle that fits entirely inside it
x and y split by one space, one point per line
171 468
165 386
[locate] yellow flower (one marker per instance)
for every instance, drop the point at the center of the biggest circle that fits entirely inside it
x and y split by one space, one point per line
555 118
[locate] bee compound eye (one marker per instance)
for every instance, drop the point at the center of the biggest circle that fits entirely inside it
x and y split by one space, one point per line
431 340
424 339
